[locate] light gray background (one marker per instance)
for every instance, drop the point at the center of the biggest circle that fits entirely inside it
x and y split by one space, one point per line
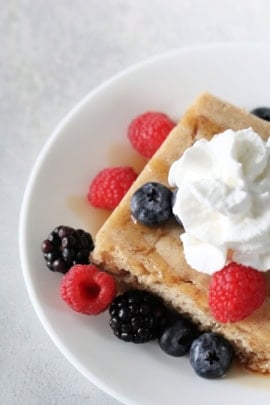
51 54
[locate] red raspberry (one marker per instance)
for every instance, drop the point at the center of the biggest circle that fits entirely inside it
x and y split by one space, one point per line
87 289
110 185
235 292
147 132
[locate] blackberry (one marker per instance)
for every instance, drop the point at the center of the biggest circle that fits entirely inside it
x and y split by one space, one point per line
137 316
151 204
65 247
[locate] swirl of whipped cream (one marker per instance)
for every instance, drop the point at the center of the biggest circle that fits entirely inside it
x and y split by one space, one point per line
223 201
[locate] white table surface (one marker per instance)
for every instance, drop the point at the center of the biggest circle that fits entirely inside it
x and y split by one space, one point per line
52 53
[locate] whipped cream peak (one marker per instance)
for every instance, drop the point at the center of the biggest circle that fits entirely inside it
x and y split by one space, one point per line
223 200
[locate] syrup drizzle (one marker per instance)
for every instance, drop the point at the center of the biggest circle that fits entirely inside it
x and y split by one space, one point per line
92 218
118 154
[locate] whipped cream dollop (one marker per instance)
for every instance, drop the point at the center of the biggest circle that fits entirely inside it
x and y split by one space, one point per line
223 201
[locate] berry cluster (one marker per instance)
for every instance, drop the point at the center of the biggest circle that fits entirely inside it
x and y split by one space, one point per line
84 287
146 133
138 317
135 316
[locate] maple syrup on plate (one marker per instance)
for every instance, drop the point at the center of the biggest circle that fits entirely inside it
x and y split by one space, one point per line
118 154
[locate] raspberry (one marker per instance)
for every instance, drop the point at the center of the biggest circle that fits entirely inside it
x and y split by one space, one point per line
235 292
147 132
87 289
110 185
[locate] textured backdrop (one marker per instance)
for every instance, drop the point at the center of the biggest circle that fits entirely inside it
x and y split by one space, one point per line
52 53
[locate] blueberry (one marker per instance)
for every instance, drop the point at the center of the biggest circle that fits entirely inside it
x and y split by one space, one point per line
177 337
151 204
210 355
262 112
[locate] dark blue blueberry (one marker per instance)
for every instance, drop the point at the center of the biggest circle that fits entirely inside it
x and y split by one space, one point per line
177 337
262 112
211 355
151 204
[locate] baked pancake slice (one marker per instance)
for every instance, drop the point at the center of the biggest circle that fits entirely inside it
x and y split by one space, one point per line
153 258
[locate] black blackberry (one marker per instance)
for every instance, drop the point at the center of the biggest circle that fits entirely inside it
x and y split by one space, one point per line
65 247
137 316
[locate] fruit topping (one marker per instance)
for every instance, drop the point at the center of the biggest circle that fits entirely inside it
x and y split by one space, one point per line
151 204
211 355
137 316
110 185
65 247
262 112
235 292
148 131
87 289
177 337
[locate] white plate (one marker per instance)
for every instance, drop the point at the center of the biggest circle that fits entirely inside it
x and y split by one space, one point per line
80 146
